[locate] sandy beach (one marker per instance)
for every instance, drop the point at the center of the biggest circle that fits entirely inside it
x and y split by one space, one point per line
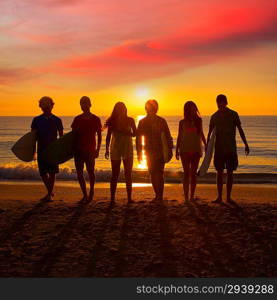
67 239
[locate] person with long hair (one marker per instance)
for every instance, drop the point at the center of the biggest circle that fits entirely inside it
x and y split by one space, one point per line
119 146
189 146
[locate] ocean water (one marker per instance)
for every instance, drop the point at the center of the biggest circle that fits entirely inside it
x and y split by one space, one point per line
261 133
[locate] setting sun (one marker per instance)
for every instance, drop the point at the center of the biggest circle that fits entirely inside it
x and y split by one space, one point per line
142 92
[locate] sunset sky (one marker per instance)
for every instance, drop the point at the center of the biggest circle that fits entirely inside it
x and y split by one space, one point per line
111 50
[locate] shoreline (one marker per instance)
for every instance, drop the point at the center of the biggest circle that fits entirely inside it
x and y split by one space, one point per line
70 191
140 177
121 184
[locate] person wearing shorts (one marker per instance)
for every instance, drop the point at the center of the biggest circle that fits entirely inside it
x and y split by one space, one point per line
119 147
47 126
225 121
151 128
189 147
85 128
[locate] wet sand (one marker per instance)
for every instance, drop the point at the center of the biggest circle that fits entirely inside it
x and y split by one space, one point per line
67 239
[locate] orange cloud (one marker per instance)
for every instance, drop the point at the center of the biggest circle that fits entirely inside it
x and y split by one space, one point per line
119 41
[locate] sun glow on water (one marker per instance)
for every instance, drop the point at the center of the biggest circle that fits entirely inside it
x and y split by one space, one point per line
143 164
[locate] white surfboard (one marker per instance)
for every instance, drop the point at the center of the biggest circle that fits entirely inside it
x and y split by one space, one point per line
25 147
208 156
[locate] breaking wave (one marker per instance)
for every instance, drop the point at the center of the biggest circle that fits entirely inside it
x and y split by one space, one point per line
30 172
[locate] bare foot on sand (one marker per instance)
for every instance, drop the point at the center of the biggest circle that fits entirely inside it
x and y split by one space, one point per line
84 199
233 203
194 199
91 195
156 200
47 198
217 201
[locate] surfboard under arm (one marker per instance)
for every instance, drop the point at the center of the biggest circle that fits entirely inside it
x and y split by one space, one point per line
208 156
25 147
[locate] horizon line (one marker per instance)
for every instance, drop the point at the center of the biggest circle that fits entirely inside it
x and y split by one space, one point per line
170 115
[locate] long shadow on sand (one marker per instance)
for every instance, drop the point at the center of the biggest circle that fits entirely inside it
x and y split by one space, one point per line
169 268
119 261
250 226
96 250
43 267
221 252
267 243
19 223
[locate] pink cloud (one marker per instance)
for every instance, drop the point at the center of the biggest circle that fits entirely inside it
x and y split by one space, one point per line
11 75
214 41
118 41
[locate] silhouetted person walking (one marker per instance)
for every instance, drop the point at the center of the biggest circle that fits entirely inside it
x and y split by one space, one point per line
152 127
189 146
85 128
121 129
225 121
47 126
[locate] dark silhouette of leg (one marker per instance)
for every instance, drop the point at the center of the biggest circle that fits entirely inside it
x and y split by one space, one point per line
114 179
219 182
51 178
186 168
128 166
154 184
90 169
80 175
229 184
160 185
157 179
156 171
193 175
45 179
48 180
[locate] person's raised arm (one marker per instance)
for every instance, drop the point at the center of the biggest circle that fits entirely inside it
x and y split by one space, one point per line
178 141
242 135
108 140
